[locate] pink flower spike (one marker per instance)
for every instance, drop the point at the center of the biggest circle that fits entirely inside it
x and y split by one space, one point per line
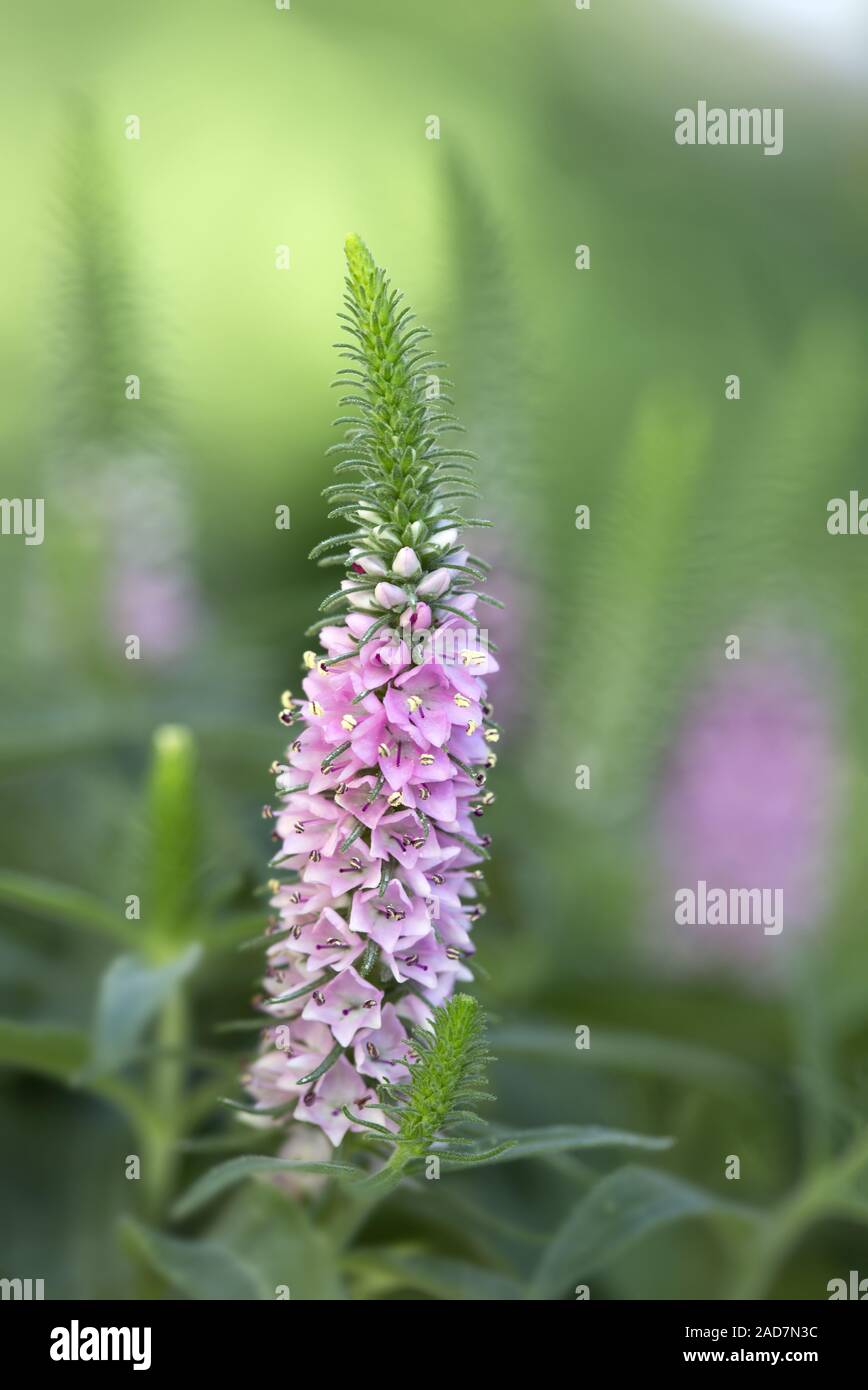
375 828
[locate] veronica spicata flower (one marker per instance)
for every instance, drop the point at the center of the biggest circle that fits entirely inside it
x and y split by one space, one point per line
377 870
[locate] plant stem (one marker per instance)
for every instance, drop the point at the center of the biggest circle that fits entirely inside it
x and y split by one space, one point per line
821 1193
814 1047
166 1087
354 1203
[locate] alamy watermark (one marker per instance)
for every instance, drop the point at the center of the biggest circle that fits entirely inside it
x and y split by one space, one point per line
23 516
737 907
445 646
77 1343
737 125
22 1289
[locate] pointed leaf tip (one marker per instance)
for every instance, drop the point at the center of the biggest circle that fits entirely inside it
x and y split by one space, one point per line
359 259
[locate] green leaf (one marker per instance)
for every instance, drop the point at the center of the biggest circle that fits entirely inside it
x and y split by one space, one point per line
224 933
201 1269
617 1212
441 1278
226 1175
637 1053
131 994
70 907
43 1048
554 1139
62 1054
276 1236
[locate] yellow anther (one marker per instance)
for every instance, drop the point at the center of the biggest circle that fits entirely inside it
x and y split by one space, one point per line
349 722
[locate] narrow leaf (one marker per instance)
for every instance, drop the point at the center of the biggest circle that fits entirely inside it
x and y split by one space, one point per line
236 1170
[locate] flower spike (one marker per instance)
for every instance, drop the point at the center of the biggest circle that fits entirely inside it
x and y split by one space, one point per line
380 793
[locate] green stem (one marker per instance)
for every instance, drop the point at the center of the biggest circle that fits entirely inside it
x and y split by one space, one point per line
823 1192
353 1204
387 1177
166 1088
816 1065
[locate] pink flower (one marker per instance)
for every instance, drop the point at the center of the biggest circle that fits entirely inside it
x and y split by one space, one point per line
376 828
323 1104
347 1003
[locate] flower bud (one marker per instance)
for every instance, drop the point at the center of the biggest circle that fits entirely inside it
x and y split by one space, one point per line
366 564
363 599
406 563
434 584
443 541
390 595
417 617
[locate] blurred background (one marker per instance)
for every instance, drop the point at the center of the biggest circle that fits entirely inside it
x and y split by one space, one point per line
157 257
